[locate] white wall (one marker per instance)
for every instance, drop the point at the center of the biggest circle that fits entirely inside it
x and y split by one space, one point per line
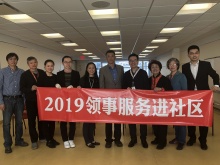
23 53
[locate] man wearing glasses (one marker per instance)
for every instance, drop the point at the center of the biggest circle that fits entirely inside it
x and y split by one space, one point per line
136 78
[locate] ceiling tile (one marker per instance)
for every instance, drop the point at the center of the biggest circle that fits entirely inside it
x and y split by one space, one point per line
108 22
169 2
134 20
65 5
164 10
136 3
47 17
134 12
159 19
60 24
83 23
31 7
75 15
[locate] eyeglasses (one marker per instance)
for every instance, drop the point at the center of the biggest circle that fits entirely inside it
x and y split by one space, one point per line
172 65
192 53
132 61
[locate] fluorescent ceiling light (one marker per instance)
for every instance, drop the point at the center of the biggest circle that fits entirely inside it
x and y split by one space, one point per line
148 50
118 52
195 8
80 50
110 33
152 47
19 18
114 43
69 44
53 35
104 14
171 30
142 54
115 48
92 56
118 55
86 53
159 40
96 58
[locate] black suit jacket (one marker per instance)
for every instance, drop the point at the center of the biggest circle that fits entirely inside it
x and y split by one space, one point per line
75 78
204 70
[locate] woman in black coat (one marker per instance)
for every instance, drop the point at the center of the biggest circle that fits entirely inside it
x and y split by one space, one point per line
49 80
90 80
158 82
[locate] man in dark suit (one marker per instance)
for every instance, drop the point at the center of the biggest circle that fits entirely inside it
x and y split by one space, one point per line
197 73
110 77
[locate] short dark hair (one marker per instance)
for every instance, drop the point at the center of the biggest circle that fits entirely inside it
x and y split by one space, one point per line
154 62
175 60
31 58
67 57
133 55
10 55
193 47
49 60
110 51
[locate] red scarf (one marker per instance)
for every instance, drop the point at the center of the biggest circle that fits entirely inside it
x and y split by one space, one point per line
155 81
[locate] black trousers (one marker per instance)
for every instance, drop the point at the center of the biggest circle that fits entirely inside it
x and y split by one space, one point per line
108 132
88 132
63 129
133 132
160 132
49 128
32 114
202 130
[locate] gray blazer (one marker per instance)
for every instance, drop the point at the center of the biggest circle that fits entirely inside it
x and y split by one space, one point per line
106 79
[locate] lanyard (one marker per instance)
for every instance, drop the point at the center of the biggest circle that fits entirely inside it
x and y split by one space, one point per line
35 76
133 76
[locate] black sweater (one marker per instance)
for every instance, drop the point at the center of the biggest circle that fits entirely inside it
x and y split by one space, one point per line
141 80
27 81
86 82
48 81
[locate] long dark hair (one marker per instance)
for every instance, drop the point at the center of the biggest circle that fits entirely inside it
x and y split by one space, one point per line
87 73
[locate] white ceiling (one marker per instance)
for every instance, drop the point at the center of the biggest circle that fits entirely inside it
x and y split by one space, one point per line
140 21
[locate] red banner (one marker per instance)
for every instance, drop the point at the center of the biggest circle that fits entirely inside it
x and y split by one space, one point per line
126 106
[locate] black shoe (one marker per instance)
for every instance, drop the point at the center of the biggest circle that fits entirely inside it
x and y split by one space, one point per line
95 143
144 143
108 145
118 143
132 143
180 146
190 142
154 142
203 146
160 146
8 150
51 144
90 145
22 144
55 142
173 141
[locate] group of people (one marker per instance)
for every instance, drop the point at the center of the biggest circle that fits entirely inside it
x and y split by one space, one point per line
17 85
